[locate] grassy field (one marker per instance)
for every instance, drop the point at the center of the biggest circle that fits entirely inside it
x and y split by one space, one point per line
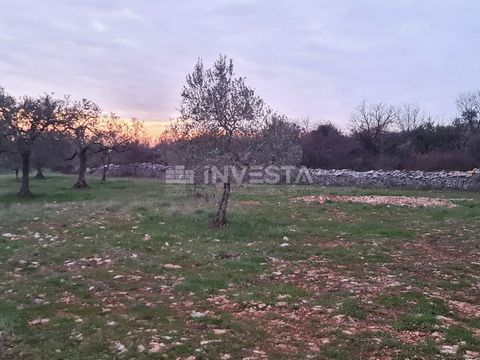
131 269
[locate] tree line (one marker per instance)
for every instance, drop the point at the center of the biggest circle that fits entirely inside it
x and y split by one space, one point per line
49 131
223 122
387 137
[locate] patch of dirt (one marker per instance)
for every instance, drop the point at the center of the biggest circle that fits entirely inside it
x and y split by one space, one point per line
318 277
464 308
408 201
143 289
423 251
291 330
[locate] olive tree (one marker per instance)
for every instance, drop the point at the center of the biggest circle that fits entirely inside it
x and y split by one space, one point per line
82 124
218 105
23 121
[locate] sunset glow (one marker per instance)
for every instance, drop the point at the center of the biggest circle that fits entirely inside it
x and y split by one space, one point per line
155 128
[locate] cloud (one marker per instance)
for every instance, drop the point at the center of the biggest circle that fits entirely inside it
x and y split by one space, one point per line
127 14
97 26
311 57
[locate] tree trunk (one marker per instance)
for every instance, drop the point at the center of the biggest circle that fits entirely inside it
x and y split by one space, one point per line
39 174
16 173
104 174
81 182
220 219
25 188
106 166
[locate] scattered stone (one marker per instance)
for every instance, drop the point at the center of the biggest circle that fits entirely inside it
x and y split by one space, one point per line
155 347
172 266
449 349
197 314
206 342
408 201
471 355
119 347
39 300
39 322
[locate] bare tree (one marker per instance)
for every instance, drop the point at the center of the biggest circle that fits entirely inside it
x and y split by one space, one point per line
468 105
409 117
114 135
82 124
217 103
24 120
370 122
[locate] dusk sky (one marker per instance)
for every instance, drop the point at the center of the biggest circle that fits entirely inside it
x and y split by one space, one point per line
306 58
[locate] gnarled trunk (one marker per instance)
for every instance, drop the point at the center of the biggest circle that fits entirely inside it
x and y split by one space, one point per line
25 188
104 173
39 174
220 219
81 182
106 159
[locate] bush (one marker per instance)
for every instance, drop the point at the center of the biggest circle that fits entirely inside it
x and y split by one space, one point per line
440 161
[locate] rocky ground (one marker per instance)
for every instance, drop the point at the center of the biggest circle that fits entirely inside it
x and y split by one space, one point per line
131 269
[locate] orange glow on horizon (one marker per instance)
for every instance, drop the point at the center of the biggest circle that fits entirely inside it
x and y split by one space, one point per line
155 128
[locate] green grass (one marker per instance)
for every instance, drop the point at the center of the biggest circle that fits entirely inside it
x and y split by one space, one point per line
92 262
352 308
461 335
421 313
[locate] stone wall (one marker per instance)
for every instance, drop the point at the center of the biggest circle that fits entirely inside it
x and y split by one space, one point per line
468 180
146 170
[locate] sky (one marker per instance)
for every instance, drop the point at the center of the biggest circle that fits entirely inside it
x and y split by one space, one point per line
305 58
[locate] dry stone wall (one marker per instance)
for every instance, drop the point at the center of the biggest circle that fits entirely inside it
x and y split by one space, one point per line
467 180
